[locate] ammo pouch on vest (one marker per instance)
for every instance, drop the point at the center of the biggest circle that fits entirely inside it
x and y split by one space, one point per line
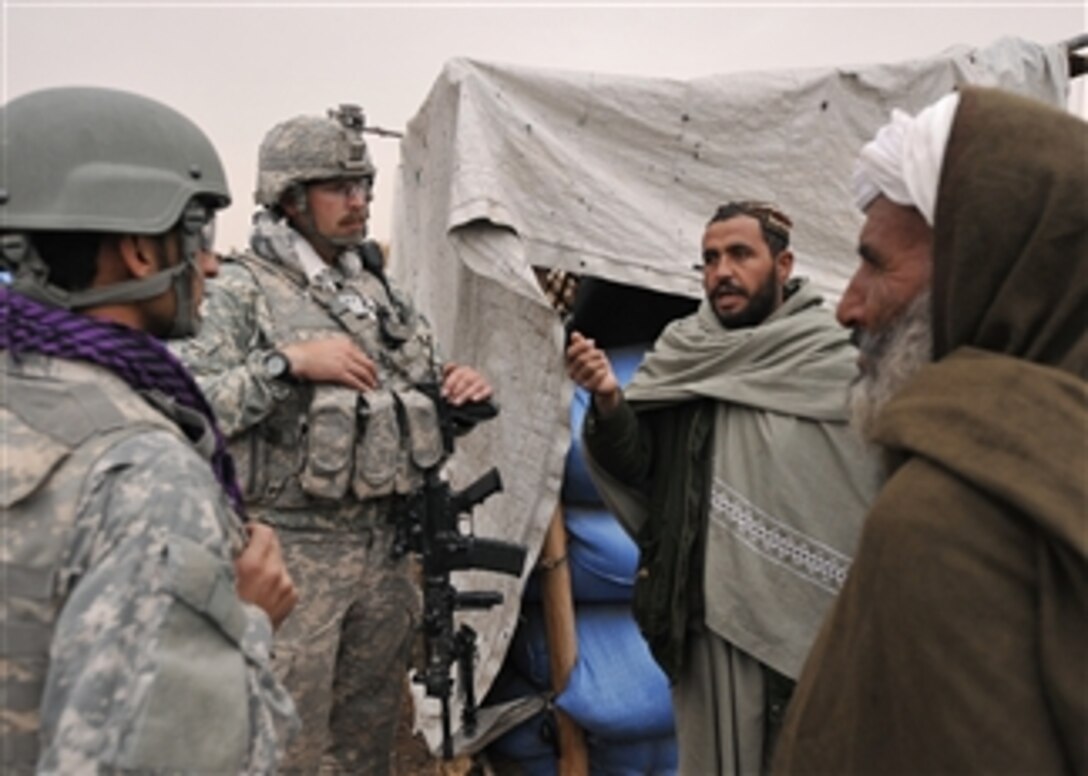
399 439
327 469
377 447
424 443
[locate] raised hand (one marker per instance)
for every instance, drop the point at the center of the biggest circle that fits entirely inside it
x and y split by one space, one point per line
589 367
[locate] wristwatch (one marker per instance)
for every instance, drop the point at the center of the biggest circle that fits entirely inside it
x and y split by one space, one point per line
276 366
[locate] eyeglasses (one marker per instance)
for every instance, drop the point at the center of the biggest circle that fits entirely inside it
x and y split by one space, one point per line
346 187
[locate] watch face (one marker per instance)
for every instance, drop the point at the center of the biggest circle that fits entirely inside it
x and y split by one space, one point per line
276 365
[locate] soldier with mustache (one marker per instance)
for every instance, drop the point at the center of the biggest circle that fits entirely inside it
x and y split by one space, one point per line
311 359
730 460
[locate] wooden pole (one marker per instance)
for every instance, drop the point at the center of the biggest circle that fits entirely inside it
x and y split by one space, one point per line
562 640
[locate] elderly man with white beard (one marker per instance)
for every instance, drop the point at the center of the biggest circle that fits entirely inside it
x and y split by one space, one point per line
957 644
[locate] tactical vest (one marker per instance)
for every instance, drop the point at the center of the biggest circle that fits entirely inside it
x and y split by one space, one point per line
58 418
326 441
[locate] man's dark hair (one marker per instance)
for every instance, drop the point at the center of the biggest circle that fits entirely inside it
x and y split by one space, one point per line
773 223
72 257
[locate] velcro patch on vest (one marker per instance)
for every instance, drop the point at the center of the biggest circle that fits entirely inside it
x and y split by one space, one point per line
43 422
201 580
30 460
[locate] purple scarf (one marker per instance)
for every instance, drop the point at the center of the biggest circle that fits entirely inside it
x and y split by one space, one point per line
27 326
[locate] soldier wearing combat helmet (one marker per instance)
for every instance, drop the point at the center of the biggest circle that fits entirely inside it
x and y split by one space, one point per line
138 608
312 359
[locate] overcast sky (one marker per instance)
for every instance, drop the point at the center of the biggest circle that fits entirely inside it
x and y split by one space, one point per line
237 68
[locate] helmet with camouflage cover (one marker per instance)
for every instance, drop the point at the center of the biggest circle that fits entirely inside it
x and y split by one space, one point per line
309 148
82 159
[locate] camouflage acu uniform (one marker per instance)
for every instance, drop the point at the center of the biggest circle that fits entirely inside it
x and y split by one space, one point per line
324 463
119 590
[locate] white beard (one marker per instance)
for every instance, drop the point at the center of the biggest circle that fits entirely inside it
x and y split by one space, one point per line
894 356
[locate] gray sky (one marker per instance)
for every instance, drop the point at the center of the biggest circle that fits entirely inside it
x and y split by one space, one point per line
237 68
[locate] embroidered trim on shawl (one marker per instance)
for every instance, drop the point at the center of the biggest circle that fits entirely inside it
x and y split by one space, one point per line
807 558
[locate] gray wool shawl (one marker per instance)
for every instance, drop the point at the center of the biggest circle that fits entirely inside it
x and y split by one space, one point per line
789 480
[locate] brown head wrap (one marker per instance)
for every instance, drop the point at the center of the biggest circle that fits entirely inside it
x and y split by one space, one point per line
1011 232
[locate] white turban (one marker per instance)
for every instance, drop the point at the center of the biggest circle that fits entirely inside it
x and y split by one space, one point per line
903 161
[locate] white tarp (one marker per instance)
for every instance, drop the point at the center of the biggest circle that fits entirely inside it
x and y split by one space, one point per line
506 168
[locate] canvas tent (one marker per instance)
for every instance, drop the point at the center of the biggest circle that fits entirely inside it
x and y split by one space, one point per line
505 169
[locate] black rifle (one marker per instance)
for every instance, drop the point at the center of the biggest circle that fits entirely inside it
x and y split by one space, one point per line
428 525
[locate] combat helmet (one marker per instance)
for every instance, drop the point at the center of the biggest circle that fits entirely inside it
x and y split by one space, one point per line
309 148
83 159
101 160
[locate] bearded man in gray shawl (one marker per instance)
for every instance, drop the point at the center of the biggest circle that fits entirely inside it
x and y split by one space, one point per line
730 459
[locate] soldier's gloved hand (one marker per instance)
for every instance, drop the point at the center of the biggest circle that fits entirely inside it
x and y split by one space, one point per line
590 368
461 384
262 577
334 359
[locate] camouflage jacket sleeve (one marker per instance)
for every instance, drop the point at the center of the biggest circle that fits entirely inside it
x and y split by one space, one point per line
226 356
156 665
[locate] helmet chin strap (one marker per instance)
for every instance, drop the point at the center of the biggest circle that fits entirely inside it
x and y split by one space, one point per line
345 242
30 277
322 243
31 273
186 316
186 320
